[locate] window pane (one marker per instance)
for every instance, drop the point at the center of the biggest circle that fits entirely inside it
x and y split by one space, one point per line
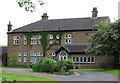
66 36
77 59
25 59
74 59
31 59
51 41
81 60
51 36
57 36
84 59
66 41
19 59
92 59
69 35
88 59
39 41
69 41
40 36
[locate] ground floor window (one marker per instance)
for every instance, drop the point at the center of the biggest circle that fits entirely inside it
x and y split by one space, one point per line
83 59
25 59
62 56
77 59
19 59
92 59
73 59
31 59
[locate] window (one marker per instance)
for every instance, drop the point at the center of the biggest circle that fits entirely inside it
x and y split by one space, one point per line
19 57
92 59
53 54
31 58
34 54
25 53
15 40
25 40
66 41
67 38
81 59
25 59
40 37
41 54
69 41
35 40
51 41
73 59
38 58
38 54
88 59
57 36
51 36
32 41
77 59
63 56
57 41
85 60
69 35
34 59
53 57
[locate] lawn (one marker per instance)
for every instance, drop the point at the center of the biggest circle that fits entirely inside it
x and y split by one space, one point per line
17 77
113 72
15 67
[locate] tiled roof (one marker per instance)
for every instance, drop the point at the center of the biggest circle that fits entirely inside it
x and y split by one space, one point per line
73 48
63 24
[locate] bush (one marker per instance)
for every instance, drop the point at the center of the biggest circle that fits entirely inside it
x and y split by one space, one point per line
70 72
68 64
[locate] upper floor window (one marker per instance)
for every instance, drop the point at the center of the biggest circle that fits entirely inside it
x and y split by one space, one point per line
67 38
33 40
51 36
40 37
15 40
57 36
25 56
25 40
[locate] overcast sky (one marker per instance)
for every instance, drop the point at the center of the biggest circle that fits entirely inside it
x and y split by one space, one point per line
56 9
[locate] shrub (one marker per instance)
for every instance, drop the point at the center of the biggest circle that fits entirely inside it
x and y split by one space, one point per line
13 60
68 64
70 72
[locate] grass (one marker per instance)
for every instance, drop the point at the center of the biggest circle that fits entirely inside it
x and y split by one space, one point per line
16 67
17 77
113 72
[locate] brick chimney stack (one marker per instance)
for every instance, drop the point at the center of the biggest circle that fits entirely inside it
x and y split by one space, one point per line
44 16
9 26
94 13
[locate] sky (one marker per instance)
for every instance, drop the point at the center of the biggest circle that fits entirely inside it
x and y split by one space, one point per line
56 9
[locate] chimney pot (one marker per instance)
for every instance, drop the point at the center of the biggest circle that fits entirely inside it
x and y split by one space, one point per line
9 26
94 12
44 16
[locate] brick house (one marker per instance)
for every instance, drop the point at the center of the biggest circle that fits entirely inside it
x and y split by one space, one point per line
71 44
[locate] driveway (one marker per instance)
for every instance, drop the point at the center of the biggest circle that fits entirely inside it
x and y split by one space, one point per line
88 75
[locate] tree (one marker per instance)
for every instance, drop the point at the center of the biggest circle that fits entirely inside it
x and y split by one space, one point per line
28 4
105 40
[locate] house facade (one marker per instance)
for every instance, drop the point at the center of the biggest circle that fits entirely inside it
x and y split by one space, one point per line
64 39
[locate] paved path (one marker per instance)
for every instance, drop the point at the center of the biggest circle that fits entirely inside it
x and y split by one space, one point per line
88 75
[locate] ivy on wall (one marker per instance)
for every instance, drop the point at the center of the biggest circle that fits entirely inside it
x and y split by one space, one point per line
44 40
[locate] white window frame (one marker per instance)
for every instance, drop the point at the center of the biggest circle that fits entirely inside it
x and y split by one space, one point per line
35 40
34 54
57 36
76 59
53 54
90 59
38 54
51 36
41 54
15 40
19 54
25 53
38 57
69 41
40 37
66 41
25 59
69 36
84 60
19 59
73 60
66 36
25 40
51 41
80 59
